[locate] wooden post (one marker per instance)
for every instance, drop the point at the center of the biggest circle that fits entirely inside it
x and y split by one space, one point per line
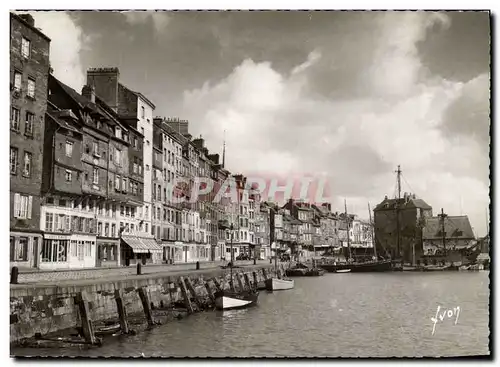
217 285
247 281
146 306
255 279
185 295
193 293
84 316
209 292
122 312
240 282
264 273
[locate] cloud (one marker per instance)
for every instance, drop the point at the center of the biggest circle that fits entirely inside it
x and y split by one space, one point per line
275 124
67 41
160 20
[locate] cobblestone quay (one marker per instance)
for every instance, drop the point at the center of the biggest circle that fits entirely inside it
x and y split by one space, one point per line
47 306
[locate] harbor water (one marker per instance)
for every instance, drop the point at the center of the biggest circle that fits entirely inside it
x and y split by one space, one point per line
336 315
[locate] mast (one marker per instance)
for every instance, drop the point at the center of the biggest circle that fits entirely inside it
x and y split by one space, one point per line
224 150
348 237
373 233
231 244
443 216
397 211
271 236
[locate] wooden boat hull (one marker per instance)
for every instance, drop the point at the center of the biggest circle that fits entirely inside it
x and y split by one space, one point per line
435 268
368 267
343 271
304 272
227 300
275 284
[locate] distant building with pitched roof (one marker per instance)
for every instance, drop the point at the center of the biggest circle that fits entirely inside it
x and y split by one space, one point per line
412 212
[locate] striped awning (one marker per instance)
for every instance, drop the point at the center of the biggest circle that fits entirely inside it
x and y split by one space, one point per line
142 245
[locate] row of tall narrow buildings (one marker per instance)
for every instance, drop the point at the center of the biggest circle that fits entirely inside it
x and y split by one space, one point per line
91 173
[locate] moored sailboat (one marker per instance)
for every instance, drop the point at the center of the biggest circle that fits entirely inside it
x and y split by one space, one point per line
231 299
278 282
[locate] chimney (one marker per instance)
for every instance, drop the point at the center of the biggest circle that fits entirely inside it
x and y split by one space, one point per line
385 197
88 91
414 196
28 19
105 83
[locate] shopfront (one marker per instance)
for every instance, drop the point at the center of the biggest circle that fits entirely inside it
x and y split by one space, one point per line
172 252
107 252
140 249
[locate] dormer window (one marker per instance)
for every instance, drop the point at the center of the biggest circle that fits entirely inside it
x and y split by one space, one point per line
118 132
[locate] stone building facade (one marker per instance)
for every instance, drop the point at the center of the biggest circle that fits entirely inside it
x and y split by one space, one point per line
29 72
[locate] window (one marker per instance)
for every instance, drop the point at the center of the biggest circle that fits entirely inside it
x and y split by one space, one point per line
18 77
95 180
69 149
118 156
135 142
68 175
113 230
99 228
95 147
27 164
13 160
49 222
25 47
31 88
124 184
21 249
28 127
15 117
54 251
80 250
117 183
143 112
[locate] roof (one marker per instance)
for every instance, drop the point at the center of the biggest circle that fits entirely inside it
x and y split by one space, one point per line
33 28
457 227
64 124
140 95
410 202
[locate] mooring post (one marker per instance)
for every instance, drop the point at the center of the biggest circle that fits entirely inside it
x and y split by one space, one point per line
240 281
14 274
217 285
209 291
87 328
193 293
255 279
185 295
139 268
122 312
247 281
146 306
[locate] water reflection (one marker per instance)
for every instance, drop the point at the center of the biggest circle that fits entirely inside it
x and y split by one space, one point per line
359 315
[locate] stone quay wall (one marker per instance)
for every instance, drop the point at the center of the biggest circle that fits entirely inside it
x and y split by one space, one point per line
44 309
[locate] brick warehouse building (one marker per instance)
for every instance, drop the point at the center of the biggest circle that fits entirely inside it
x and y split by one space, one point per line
29 72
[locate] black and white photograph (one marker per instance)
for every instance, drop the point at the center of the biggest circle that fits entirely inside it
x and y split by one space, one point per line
250 184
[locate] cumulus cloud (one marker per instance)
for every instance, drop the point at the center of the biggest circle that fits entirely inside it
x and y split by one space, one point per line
67 40
274 124
160 20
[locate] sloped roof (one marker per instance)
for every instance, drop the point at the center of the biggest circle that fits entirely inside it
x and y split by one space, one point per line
139 95
63 123
457 227
411 202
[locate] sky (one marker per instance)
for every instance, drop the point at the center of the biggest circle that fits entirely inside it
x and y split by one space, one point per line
346 96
